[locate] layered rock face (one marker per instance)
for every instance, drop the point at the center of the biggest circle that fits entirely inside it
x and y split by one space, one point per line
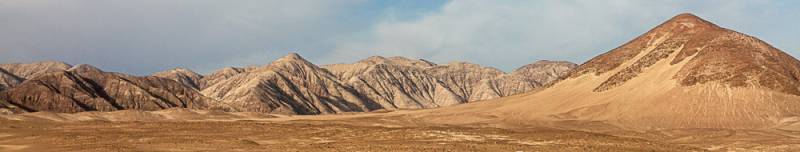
526 78
401 83
85 88
345 71
184 76
32 70
396 83
545 72
289 85
8 80
219 76
15 73
465 79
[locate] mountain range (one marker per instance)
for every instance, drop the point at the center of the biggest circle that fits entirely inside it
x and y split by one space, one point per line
684 73
288 85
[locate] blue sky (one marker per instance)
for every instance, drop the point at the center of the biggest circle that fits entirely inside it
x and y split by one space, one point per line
146 36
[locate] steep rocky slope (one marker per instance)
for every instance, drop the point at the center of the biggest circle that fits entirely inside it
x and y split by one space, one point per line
219 76
15 73
685 73
289 85
345 71
526 78
396 83
544 72
7 79
32 70
86 88
398 79
184 76
714 54
465 78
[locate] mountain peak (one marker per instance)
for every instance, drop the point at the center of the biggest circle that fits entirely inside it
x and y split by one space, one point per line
185 71
84 68
292 56
184 76
687 15
688 21
54 63
707 53
178 70
291 61
181 69
34 69
374 58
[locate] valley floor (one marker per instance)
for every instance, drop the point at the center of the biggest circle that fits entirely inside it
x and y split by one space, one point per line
378 134
299 136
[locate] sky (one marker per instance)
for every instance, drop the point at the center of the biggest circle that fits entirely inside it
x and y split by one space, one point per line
145 36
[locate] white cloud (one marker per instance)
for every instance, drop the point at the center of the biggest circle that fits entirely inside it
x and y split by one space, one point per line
508 34
143 36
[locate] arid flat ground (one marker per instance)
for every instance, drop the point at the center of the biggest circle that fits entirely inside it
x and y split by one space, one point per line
300 136
360 134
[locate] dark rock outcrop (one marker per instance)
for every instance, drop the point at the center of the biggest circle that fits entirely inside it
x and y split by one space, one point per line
86 88
184 76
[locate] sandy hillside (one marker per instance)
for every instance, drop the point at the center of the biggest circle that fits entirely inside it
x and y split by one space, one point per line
650 90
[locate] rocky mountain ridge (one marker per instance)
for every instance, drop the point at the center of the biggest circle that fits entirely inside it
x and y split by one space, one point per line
184 76
416 84
289 85
13 74
396 86
86 88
